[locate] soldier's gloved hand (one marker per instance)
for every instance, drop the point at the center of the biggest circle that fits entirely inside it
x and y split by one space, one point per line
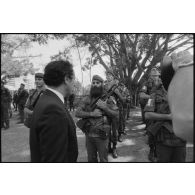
96 113
101 104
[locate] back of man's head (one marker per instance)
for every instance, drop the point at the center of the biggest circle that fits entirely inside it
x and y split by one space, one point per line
56 71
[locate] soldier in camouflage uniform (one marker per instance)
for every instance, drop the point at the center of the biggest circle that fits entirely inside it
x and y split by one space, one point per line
15 105
145 93
128 105
34 95
21 100
97 134
115 134
168 147
5 106
125 93
146 90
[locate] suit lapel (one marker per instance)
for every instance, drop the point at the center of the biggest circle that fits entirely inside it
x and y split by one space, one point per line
51 93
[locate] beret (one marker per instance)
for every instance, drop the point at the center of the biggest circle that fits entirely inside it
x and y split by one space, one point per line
98 78
39 75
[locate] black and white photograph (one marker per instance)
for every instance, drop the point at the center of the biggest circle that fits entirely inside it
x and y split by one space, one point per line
97 97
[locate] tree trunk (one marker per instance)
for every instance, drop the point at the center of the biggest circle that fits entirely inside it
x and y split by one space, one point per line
80 62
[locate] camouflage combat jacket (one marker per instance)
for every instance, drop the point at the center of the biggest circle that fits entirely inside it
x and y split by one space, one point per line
100 122
162 130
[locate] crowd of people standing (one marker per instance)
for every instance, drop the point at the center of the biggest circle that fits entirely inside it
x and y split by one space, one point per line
18 100
101 116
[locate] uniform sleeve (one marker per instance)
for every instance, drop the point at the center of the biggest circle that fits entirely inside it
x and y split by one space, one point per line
119 96
112 104
27 105
150 106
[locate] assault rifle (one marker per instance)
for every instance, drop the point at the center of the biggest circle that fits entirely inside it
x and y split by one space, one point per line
84 124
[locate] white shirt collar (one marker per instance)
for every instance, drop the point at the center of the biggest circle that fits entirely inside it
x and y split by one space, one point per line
57 93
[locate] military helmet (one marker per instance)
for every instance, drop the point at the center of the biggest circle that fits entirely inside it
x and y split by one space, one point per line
98 78
154 72
39 75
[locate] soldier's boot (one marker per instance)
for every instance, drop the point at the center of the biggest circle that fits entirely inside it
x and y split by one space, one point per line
155 155
109 148
152 155
114 152
7 125
120 138
2 125
124 132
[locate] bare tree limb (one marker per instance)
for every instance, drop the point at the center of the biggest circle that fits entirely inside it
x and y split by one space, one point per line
170 50
99 57
30 56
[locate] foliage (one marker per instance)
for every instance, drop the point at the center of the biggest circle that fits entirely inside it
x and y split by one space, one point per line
86 90
10 43
43 38
9 66
131 56
10 63
77 89
65 55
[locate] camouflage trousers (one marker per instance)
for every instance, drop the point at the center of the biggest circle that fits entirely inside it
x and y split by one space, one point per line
128 110
21 112
122 120
5 115
113 135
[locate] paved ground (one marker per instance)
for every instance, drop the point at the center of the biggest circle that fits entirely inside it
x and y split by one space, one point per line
15 143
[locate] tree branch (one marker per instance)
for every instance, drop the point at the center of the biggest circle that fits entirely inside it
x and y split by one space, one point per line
99 57
170 50
149 51
30 56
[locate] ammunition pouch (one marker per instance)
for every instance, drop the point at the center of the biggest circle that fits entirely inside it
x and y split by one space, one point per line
84 125
102 131
155 127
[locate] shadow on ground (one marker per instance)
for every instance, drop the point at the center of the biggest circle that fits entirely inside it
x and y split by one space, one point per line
134 148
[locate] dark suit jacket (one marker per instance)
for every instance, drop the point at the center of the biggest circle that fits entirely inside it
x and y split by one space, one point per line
53 132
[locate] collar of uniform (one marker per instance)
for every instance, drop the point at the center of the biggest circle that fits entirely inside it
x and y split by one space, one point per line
57 93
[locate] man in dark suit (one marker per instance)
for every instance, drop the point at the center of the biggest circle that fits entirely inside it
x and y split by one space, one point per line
53 132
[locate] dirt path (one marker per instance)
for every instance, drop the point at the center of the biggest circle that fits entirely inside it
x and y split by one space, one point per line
15 143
